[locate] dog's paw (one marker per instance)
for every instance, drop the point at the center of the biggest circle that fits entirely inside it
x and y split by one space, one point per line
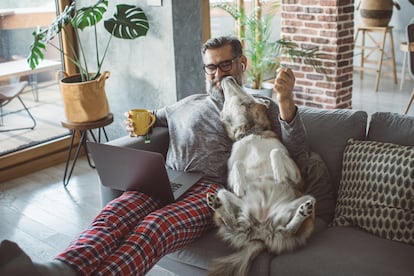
306 208
213 201
304 211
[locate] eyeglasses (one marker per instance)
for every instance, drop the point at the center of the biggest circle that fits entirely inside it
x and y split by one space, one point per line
224 66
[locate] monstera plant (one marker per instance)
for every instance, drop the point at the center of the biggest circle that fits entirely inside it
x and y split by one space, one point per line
83 94
128 22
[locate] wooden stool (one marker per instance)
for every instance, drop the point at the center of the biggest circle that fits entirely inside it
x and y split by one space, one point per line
83 129
405 49
378 45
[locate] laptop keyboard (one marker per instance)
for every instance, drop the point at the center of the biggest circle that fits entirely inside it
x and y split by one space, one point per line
175 186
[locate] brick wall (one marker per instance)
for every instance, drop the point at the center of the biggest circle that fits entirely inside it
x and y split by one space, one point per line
328 24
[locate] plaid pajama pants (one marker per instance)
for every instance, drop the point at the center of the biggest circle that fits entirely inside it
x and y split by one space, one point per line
132 232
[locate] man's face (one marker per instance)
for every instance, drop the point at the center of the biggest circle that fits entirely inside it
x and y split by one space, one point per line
220 63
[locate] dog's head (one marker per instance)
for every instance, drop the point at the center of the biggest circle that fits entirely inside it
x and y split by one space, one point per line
242 114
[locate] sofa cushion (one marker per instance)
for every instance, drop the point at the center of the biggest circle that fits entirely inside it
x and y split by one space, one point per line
317 183
377 190
204 250
346 251
391 128
328 132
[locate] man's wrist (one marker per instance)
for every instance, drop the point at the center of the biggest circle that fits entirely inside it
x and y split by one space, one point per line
287 111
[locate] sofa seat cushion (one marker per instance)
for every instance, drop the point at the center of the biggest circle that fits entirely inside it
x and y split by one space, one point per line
346 251
204 250
377 190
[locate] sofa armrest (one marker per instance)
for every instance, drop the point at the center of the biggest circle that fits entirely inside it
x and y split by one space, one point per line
159 143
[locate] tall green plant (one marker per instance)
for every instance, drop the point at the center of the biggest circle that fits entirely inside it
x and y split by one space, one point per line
128 22
265 55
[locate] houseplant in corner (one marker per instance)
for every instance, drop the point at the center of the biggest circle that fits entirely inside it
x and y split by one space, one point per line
265 56
84 94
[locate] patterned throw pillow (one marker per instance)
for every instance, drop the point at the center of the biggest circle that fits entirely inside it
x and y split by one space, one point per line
376 192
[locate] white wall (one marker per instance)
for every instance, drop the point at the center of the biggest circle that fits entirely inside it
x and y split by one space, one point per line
156 70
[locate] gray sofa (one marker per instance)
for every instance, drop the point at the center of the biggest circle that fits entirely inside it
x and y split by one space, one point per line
370 234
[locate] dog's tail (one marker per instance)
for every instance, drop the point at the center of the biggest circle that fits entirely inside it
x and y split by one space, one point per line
237 264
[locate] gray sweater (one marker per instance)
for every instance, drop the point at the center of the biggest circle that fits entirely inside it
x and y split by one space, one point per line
199 141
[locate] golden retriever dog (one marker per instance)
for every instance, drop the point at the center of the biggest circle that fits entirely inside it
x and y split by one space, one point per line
264 208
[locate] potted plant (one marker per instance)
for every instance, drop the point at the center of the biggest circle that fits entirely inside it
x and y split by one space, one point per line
83 94
264 55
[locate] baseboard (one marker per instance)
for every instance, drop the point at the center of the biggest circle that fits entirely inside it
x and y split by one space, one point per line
33 159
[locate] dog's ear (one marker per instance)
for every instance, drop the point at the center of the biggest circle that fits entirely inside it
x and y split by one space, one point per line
260 117
239 132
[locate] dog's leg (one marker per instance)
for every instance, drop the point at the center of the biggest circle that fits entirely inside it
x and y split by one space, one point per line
304 210
237 179
231 203
284 168
226 206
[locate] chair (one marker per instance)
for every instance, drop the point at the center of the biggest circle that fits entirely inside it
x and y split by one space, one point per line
7 94
370 44
410 42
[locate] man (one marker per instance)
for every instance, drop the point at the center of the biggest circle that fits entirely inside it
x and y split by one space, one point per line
133 231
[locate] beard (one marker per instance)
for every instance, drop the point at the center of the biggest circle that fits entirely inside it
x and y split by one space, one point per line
214 88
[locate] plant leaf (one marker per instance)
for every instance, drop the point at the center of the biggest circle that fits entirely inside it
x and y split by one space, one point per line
36 53
42 36
90 16
231 10
61 21
129 22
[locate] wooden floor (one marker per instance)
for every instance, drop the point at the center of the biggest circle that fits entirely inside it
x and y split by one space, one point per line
42 216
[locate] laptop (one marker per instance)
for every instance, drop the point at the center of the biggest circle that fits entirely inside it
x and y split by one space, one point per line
129 169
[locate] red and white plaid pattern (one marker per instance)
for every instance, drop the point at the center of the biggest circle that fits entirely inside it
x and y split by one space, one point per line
131 233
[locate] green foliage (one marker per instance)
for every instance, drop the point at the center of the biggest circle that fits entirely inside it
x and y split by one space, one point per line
43 36
128 22
265 55
136 26
89 16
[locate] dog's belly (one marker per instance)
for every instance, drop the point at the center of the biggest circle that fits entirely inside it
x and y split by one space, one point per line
254 152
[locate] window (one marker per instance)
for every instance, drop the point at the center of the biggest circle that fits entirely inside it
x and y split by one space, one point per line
18 19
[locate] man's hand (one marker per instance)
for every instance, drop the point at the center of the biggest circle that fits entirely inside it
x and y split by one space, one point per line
283 87
129 125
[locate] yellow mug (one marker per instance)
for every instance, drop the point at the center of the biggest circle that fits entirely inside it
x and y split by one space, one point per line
142 119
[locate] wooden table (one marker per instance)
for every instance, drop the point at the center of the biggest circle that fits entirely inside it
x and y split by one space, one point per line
19 68
83 129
